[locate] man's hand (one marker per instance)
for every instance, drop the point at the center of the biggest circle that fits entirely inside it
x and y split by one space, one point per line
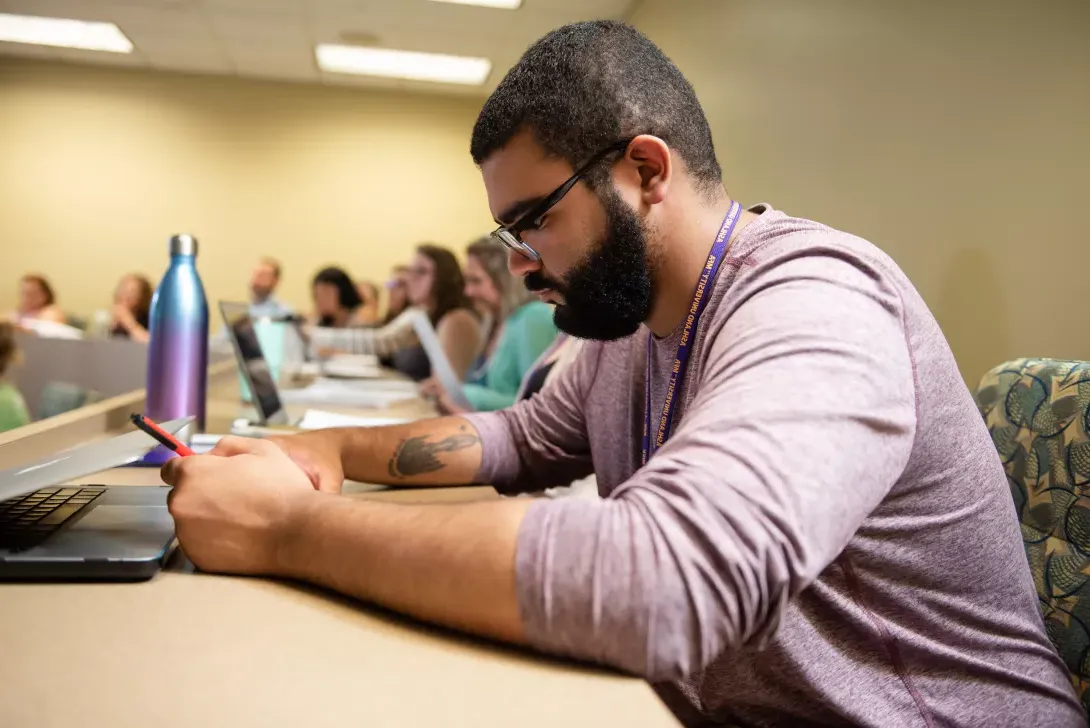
433 390
317 456
234 507
123 317
430 388
245 508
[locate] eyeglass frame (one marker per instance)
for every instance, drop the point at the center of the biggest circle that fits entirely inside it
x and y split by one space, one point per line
510 235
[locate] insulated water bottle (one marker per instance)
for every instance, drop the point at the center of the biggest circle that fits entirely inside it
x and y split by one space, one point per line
177 377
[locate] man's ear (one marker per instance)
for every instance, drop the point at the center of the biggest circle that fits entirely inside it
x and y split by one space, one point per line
654 165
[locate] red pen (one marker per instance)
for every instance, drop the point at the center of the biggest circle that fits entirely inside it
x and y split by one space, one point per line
168 441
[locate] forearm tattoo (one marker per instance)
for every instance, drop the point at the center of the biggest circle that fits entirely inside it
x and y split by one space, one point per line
417 456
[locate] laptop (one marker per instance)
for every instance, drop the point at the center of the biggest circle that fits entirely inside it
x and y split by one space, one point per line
440 364
52 531
269 401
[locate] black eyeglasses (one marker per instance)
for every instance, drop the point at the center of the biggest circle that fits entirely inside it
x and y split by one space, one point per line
511 235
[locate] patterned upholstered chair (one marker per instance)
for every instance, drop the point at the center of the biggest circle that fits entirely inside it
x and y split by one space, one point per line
1038 411
56 398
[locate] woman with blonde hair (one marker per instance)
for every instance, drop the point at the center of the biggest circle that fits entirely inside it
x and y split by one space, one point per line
522 329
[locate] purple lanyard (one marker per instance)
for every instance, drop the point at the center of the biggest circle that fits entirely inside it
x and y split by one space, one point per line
681 359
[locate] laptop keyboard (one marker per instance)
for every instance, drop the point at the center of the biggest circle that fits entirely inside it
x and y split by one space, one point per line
28 520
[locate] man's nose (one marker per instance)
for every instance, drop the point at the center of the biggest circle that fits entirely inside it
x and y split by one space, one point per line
519 265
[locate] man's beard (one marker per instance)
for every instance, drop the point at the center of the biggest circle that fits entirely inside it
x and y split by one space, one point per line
607 295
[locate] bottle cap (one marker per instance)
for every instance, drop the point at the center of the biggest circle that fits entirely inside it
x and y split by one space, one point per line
183 245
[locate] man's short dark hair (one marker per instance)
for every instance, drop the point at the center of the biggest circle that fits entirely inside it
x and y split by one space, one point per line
587 85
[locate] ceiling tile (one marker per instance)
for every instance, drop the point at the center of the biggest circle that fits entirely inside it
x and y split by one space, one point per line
151 3
57 9
286 8
183 21
275 38
247 27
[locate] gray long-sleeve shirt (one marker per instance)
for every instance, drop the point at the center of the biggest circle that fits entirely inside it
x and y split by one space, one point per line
827 536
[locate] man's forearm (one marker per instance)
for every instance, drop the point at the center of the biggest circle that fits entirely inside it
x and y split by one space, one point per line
449 564
442 451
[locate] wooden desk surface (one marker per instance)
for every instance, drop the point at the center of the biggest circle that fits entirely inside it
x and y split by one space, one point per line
188 649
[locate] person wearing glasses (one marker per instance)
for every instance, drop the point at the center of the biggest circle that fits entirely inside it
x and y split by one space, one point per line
520 330
397 293
434 284
803 518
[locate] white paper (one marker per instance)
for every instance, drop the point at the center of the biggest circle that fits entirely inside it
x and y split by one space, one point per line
401 386
50 329
321 419
201 443
339 396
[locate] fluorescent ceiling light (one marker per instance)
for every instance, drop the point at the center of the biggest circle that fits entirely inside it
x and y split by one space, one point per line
505 4
64 33
403 64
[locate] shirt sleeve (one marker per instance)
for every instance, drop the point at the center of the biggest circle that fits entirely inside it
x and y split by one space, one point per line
381 341
540 442
486 399
804 420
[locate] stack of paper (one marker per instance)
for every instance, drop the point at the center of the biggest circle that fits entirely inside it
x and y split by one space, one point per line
321 419
344 394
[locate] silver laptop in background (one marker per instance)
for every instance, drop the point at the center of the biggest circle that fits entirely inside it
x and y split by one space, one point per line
51 531
253 365
440 364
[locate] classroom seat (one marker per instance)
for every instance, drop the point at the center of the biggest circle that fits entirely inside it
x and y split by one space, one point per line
1038 413
60 397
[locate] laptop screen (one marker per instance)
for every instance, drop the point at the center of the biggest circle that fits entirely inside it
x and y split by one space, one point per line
252 362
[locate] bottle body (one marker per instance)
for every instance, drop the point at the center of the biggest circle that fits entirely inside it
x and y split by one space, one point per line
177 378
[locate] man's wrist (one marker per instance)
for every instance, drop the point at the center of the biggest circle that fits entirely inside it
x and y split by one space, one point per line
290 538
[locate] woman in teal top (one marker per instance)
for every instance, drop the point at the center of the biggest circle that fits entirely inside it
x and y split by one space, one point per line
521 331
13 412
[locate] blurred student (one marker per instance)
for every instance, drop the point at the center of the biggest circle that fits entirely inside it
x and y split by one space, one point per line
264 280
368 314
412 361
132 306
335 298
37 301
558 357
521 329
434 285
13 411
397 293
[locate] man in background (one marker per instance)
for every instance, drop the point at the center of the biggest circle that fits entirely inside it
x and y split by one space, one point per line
264 281
263 284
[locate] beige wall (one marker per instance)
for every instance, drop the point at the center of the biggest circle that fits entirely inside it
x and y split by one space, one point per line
955 135
98 167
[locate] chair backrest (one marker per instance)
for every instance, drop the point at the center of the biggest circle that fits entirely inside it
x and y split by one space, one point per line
60 397
1038 411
